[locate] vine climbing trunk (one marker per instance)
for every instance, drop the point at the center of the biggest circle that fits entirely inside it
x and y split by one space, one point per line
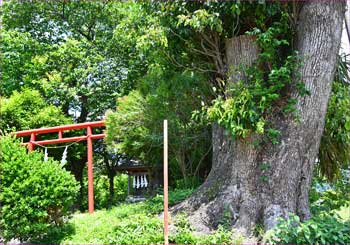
238 190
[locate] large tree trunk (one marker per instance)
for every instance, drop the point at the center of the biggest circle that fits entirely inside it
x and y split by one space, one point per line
240 189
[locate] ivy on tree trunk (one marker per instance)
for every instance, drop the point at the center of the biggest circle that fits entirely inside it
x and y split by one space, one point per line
250 184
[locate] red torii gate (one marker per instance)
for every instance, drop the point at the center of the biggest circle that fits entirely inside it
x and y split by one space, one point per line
60 129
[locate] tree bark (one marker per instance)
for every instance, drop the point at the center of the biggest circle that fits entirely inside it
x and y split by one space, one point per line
238 190
84 109
111 176
77 169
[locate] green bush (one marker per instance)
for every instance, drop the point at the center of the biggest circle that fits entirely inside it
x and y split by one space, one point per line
155 205
102 197
326 196
35 195
327 228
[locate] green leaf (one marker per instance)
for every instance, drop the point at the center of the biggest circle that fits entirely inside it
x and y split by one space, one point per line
347 124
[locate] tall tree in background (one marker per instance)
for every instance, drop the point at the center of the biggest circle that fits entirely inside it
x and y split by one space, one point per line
76 54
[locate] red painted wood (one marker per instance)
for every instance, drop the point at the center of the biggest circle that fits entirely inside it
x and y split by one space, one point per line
89 137
65 140
60 128
31 145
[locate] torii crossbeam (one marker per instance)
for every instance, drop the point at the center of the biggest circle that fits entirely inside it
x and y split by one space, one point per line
60 129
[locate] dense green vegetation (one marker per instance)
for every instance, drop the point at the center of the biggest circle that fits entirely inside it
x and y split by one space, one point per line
103 199
121 224
134 224
335 144
327 228
28 110
35 195
134 64
249 105
331 221
136 127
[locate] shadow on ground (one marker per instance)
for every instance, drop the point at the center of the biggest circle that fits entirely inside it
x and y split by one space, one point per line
56 235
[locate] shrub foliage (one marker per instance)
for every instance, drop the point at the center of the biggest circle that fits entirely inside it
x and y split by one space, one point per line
326 228
35 195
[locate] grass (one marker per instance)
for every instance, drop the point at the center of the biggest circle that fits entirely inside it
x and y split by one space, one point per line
128 223
121 224
139 223
107 226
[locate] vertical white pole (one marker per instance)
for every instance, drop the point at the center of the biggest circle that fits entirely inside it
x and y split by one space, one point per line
165 167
